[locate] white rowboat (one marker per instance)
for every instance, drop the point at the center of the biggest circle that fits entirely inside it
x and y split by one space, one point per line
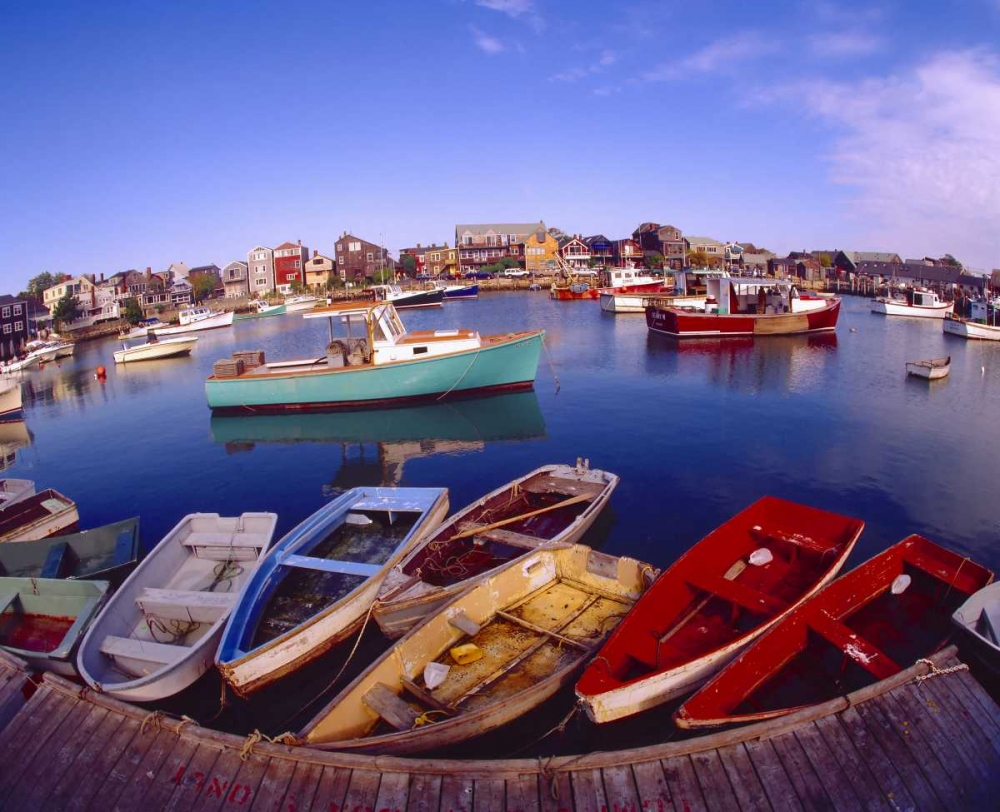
931 369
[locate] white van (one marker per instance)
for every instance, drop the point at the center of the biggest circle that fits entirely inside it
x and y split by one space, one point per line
515 272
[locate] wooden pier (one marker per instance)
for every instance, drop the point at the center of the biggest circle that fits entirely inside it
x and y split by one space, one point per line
905 743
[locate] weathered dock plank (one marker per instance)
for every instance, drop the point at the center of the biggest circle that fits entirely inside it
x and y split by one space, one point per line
488 794
331 790
393 792
651 785
456 794
425 793
522 794
362 789
588 791
302 788
783 793
683 785
273 785
715 786
190 780
743 778
620 789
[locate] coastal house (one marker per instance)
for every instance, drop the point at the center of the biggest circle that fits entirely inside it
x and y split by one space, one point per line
359 258
13 326
809 270
755 262
857 257
235 278
781 267
441 260
947 280
713 249
482 244
178 270
672 247
733 253
629 253
260 261
419 254
575 251
647 235
289 263
319 271
541 252
602 250
180 293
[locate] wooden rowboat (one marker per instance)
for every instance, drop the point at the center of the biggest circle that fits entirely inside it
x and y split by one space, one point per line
160 630
713 601
553 505
318 585
932 368
47 513
42 619
979 618
867 626
14 490
107 553
535 622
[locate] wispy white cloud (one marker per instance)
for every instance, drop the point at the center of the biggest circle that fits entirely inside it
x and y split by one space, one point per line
607 90
922 149
486 43
606 59
515 9
846 44
721 56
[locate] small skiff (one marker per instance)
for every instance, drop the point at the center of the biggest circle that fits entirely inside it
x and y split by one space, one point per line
160 631
14 490
979 618
932 369
553 505
42 619
106 553
506 645
318 585
717 598
154 349
47 513
867 626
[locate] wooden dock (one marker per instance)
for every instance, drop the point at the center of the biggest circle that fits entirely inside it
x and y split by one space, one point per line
905 743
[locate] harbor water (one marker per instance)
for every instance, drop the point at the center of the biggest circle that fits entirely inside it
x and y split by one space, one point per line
697 430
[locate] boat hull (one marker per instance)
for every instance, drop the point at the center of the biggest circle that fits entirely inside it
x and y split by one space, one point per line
276 310
462 292
421 298
296 305
972 329
617 302
168 348
211 323
505 365
47 513
683 324
927 372
11 405
890 308
979 613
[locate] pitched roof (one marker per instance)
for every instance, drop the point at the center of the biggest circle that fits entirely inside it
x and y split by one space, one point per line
7 299
702 241
871 256
755 259
285 245
204 269
481 229
647 227
236 262
917 271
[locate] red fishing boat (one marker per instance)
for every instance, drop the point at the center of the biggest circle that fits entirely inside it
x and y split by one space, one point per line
718 597
876 621
737 306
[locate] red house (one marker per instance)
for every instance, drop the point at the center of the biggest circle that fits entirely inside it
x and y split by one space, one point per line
289 262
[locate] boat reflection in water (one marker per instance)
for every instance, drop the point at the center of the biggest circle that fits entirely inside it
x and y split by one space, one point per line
782 363
397 434
14 435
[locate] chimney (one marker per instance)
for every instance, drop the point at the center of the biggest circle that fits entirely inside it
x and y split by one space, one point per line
300 242
102 277
315 252
418 246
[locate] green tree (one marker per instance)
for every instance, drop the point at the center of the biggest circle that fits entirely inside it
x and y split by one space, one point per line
384 275
825 261
948 259
508 262
409 263
202 286
132 313
698 259
67 309
296 287
654 261
37 285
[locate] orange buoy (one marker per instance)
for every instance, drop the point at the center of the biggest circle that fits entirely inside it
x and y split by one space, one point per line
102 372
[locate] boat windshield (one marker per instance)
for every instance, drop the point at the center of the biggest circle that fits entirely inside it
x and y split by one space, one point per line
386 325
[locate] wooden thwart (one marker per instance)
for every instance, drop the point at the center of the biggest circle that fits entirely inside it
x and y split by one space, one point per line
575 500
729 575
390 707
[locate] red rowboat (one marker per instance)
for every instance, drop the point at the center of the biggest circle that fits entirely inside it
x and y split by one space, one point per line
867 626
718 597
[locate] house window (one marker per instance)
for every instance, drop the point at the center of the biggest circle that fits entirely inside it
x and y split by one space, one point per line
260 283
6 313
19 326
341 260
6 329
369 256
17 310
355 246
298 263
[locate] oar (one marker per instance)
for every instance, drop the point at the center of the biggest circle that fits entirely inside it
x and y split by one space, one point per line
730 575
565 503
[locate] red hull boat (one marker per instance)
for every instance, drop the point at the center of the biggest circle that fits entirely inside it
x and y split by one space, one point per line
691 324
715 600
876 621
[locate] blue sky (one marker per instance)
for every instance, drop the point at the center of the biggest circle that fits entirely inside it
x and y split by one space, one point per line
138 134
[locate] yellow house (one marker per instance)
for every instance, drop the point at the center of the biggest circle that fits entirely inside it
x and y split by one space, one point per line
441 259
541 251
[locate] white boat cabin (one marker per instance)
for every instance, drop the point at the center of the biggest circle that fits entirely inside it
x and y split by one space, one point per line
192 315
376 335
623 277
734 295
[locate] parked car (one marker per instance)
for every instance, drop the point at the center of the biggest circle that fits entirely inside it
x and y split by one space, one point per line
478 275
516 273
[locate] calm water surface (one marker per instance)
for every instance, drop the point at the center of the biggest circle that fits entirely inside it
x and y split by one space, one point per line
696 430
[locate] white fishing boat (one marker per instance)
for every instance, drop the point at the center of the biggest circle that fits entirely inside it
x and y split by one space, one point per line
140 330
404 299
196 319
44 353
979 617
932 368
14 490
260 308
552 506
51 349
160 630
983 323
918 303
154 348
11 405
493 654
301 302
19 365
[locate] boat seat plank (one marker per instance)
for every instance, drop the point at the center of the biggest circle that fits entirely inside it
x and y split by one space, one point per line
425 697
390 707
794 539
225 540
743 596
330 565
955 578
510 537
465 624
565 487
55 561
875 662
145 650
177 604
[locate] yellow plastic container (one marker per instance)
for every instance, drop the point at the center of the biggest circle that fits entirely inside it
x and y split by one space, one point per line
466 653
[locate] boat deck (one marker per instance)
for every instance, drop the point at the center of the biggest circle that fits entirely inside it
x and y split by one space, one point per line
901 744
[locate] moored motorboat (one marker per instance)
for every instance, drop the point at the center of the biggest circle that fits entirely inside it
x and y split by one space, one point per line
42 619
14 490
107 553
494 653
155 348
982 324
717 598
142 329
19 364
11 404
736 306
318 584
260 308
46 513
196 319
458 291
380 363
932 369
684 289
979 619
866 626
161 628
552 505
303 301
404 299
918 303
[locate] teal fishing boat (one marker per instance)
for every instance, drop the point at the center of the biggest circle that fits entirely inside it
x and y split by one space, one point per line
379 363
43 619
260 308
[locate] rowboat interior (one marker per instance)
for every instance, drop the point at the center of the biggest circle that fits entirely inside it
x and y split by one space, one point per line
204 565
318 576
475 545
740 578
46 513
532 625
868 626
41 616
